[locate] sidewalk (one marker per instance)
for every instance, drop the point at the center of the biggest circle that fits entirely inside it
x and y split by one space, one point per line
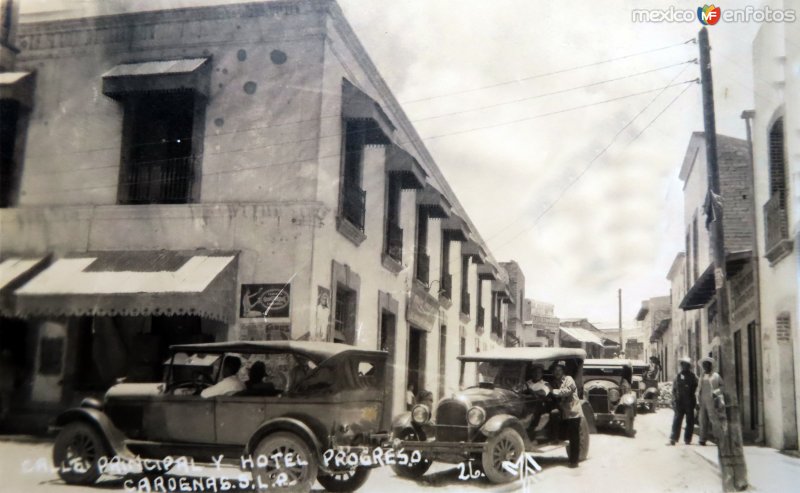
767 469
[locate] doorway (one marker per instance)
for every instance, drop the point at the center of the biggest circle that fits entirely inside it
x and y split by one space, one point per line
388 343
416 360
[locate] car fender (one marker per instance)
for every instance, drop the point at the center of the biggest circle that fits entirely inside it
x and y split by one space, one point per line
114 438
403 422
651 393
292 425
499 422
588 415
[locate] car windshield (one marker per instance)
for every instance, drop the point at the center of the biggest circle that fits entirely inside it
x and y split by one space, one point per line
505 374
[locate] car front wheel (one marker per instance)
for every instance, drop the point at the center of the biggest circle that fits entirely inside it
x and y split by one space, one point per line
505 446
76 452
345 480
291 465
418 469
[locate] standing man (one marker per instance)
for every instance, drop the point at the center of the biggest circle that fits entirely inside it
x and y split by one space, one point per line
566 393
683 402
712 401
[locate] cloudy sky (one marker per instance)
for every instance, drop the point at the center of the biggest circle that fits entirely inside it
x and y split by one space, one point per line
581 226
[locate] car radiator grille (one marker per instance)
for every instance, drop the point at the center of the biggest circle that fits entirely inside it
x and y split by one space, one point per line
598 398
451 422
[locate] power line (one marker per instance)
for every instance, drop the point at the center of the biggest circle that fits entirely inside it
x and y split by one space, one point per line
573 182
553 93
547 74
603 151
339 135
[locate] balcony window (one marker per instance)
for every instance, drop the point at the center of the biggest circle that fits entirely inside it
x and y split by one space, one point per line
776 225
393 245
446 287
465 284
159 159
423 260
9 169
344 325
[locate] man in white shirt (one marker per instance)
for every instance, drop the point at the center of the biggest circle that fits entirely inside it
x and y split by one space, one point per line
229 382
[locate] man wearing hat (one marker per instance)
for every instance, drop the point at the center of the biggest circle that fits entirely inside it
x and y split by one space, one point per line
683 402
566 394
712 400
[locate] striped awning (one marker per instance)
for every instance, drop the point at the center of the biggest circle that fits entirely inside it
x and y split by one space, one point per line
132 284
14 272
581 335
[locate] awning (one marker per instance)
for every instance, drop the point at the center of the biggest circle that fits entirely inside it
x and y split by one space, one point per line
472 249
662 327
433 202
581 335
455 229
357 105
412 176
14 272
704 288
163 75
502 290
17 86
487 272
133 284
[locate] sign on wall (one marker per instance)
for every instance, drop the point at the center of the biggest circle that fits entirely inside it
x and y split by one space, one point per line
265 300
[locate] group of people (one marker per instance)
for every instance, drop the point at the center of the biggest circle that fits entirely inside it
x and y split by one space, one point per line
704 394
564 392
230 381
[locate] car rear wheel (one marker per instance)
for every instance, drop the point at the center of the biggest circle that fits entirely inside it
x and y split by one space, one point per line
418 469
76 452
345 480
505 446
295 472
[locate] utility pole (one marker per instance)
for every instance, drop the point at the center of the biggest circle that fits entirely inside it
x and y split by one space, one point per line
619 300
729 444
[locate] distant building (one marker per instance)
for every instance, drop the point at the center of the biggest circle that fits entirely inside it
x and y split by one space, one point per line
654 316
515 306
579 332
540 325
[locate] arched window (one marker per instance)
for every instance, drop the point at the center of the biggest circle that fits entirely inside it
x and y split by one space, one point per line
776 225
777 163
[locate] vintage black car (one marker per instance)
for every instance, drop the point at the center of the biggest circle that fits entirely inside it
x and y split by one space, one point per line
646 388
302 399
493 418
607 388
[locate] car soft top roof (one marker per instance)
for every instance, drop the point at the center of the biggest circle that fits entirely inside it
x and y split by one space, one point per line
639 364
315 351
526 354
606 363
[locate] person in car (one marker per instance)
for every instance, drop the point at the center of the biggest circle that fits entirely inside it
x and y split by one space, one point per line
229 382
534 382
565 391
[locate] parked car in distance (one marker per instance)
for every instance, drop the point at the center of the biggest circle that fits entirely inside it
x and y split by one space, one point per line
493 418
646 389
298 398
607 388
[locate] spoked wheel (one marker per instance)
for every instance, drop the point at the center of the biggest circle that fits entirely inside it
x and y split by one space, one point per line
345 480
295 468
418 469
76 451
583 452
505 446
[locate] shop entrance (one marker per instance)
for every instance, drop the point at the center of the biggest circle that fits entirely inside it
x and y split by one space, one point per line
388 344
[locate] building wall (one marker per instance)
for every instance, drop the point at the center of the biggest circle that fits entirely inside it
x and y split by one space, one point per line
777 92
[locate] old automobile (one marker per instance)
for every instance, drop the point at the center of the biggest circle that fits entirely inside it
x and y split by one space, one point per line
606 385
646 388
493 418
299 400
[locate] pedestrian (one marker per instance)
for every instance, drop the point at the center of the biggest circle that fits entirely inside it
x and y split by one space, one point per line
565 392
683 402
712 401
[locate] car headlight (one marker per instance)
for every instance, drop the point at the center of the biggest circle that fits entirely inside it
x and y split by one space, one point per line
420 414
476 416
628 399
613 395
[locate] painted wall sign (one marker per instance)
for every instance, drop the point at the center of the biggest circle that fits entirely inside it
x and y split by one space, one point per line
265 300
